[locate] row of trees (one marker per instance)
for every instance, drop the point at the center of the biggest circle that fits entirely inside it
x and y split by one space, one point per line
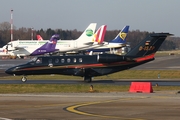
134 37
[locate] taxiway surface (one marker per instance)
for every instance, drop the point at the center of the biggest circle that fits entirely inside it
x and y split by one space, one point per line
163 105
87 106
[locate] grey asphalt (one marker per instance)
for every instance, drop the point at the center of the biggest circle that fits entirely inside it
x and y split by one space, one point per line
91 106
159 105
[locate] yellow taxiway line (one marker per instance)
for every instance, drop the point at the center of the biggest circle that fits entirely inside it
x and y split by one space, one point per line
74 109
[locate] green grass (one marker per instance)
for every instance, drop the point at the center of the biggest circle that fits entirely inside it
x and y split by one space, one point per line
67 88
56 88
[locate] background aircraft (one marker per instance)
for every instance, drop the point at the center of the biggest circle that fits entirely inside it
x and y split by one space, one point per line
15 48
97 41
39 37
88 66
118 42
47 47
3 51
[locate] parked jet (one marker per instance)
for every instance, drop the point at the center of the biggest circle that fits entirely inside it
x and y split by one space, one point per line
118 42
48 47
88 66
98 39
18 47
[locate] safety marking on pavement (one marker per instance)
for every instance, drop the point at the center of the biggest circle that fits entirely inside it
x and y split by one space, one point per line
74 109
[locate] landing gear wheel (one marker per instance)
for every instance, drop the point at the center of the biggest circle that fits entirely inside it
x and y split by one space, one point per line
87 79
23 79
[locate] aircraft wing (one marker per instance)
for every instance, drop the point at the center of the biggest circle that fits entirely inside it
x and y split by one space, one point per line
89 43
17 48
76 50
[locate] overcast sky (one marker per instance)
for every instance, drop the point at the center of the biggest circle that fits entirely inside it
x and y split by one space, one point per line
144 15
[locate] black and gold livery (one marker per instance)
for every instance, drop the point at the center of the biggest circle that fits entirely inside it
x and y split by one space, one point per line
89 66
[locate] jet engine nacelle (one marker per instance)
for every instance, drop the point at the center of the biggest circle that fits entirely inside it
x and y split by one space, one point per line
109 58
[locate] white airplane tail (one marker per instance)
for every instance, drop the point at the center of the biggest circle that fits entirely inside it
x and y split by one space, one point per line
87 35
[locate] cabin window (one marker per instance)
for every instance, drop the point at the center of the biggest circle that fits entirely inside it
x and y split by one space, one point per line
39 61
68 60
80 59
62 60
50 60
74 60
56 60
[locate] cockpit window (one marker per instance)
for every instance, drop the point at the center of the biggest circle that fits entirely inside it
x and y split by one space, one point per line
39 61
34 59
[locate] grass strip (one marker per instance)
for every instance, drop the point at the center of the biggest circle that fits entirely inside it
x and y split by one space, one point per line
71 88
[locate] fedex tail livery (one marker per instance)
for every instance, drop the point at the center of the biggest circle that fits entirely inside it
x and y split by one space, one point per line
48 47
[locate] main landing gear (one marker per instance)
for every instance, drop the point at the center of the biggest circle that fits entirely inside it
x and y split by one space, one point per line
24 79
87 79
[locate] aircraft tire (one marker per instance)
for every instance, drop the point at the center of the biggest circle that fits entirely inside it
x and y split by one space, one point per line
23 79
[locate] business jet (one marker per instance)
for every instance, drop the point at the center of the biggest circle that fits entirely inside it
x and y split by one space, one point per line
89 66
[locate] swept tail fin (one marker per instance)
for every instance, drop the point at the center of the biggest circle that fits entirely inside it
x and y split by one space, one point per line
99 35
87 35
47 47
39 38
121 37
149 45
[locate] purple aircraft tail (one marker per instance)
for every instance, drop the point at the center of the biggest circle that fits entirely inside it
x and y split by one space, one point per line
48 47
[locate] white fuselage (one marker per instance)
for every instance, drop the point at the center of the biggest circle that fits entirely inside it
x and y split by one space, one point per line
26 47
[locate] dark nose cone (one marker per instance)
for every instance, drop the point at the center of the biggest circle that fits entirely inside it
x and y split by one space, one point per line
10 71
